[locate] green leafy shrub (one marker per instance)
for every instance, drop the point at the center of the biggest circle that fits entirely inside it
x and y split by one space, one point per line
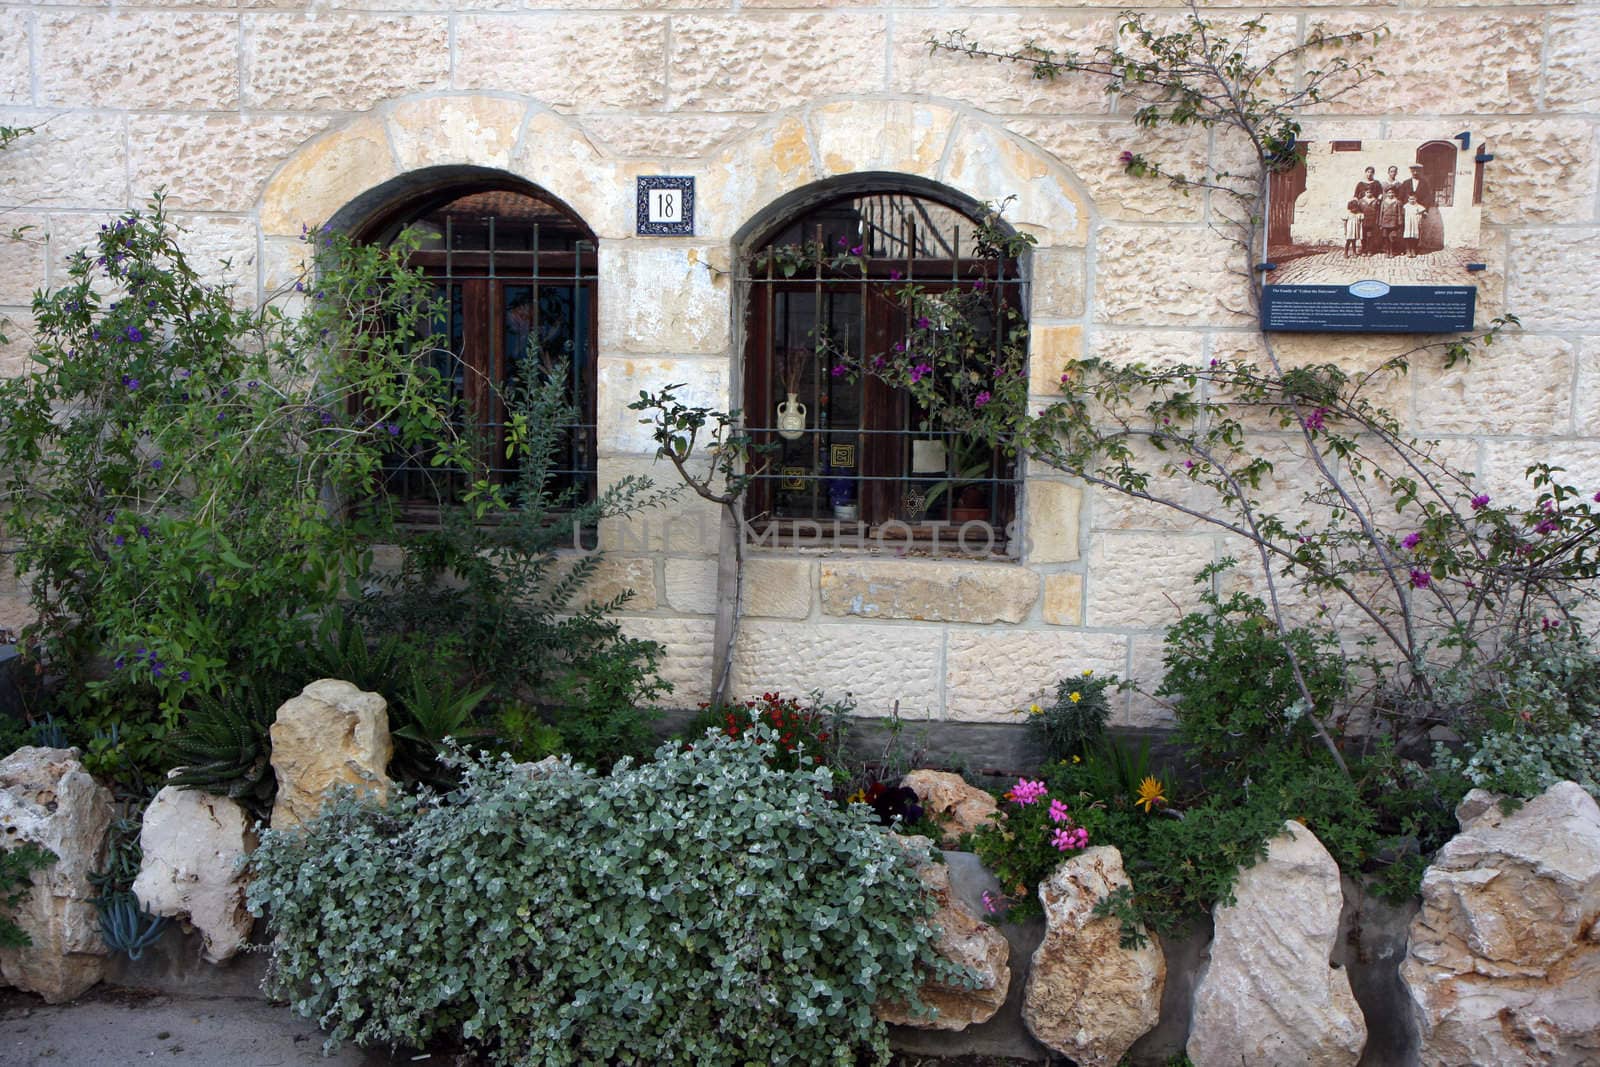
1076 720
701 909
16 882
168 461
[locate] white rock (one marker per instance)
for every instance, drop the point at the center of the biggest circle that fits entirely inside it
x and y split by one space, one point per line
957 807
1269 994
194 846
1503 961
332 734
1087 996
48 799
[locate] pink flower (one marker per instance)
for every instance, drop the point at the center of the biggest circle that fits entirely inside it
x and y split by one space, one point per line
1314 421
1068 839
988 902
1126 158
1420 579
981 399
1412 540
920 371
1028 791
1058 811
1481 501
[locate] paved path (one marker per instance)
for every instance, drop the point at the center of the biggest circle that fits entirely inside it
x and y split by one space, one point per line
110 1028
1334 268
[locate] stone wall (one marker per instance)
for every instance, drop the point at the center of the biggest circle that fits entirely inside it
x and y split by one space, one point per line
258 118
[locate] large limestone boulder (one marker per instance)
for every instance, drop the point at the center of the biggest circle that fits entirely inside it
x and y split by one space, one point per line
48 799
1270 995
965 940
194 848
332 734
957 807
1087 997
1503 963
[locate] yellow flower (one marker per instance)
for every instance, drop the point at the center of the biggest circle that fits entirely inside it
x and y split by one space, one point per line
858 797
1075 696
1088 671
1076 759
1151 792
1034 709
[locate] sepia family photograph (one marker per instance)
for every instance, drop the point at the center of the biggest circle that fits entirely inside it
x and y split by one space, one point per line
1399 212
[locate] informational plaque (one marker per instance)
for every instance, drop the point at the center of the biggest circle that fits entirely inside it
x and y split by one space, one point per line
665 206
1374 237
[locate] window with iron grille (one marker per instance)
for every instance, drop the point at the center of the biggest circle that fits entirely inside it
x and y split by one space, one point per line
514 278
828 299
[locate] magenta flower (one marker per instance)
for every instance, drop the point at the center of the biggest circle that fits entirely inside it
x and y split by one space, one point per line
838 370
1547 525
1126 158
1420 579
920 371
1597 498
981 399
923 323
1069 839
988 903
1188 464
1481 501
1029 791
1412 540
1058 811
1314 421
895 275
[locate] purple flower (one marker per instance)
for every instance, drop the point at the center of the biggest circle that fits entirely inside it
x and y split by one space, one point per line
895 275
144 531
855 250
109 519
1597 498
988 903
1547 525
184 373
839 370
393 428
1189 464
1412 540
156 464
920 371
131 383
1420 579
981 399
979 284
1125 158
1481 501
327 418
922 322
1314 421
119 663
134 334
183 676
119 540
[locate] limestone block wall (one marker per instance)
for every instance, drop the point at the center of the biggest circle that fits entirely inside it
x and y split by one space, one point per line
258 118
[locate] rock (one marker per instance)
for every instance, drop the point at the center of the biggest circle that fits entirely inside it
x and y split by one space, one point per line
332 734
1503 963
1270 993
949 801
48 799
194 846
1087 997
965 940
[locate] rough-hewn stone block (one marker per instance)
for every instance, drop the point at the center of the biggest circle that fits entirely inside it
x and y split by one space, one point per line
1160 277
1522 386
991 674
70 159
997 168
326 175
213 162
876 664
799 56
1000 88
704 381
16 66
1572 62
22 261
296 62
184 60
1550 280
898 136
691 586
665 135
1093 151
1492 64
1139 579
685 662
565 61
928 590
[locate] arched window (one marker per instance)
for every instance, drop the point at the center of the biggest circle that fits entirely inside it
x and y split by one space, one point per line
514 272
1438 159
829 288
